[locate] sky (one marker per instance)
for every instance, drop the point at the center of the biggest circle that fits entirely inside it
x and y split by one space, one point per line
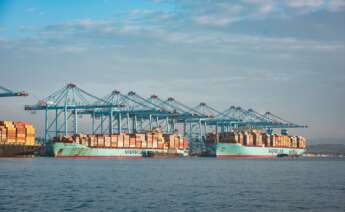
285 56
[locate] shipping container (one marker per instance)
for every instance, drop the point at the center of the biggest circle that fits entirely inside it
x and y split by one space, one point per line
248 139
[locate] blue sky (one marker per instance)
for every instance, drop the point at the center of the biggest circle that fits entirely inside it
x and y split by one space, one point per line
282 56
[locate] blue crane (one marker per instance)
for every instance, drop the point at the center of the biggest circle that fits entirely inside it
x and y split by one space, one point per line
66 101
141 114
5 92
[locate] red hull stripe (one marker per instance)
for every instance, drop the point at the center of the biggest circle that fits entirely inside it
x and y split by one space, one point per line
246 156
89 156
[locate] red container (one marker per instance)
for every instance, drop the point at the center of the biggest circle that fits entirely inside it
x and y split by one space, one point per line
185 143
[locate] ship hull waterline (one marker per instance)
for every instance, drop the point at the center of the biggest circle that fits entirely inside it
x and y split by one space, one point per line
16 150
229 150
74 150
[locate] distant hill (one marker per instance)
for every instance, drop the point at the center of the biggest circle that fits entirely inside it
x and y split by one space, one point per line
326 149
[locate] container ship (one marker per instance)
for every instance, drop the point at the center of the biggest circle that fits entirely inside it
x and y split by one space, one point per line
17 139
124 145
253 144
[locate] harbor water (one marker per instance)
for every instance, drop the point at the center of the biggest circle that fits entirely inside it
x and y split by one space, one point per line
172 184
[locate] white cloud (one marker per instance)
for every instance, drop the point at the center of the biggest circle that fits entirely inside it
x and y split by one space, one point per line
304 3
307 6
213 20
86 34
157 28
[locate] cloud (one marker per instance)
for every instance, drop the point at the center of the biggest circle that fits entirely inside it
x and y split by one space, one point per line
195 26
81 35
34 11
224 13
213 20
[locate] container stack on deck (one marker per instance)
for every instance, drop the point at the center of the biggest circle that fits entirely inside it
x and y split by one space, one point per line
257 138
17 133
17 139
148 140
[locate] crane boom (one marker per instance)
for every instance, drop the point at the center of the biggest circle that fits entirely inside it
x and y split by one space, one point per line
5 92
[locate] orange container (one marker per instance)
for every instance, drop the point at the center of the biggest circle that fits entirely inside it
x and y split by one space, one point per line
138 144
181 145
240 137
114 144
125 137
139 137
149 144
155 144
125 143
172 143
185 143
132 142
100 141
114 138
120 138
160 145
257 138
120 143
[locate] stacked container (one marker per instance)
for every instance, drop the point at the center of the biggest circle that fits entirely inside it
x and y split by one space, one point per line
92 140
120 142
293 141
107 141
266 138
30 134
248 138
149 140
114 140
100 141
11 132
132 142
175 141
285 140
240 137
125 140
301 143
3 135
257 137
21 133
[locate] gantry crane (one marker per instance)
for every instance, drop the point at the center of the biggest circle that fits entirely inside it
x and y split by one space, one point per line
141 114
5 92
